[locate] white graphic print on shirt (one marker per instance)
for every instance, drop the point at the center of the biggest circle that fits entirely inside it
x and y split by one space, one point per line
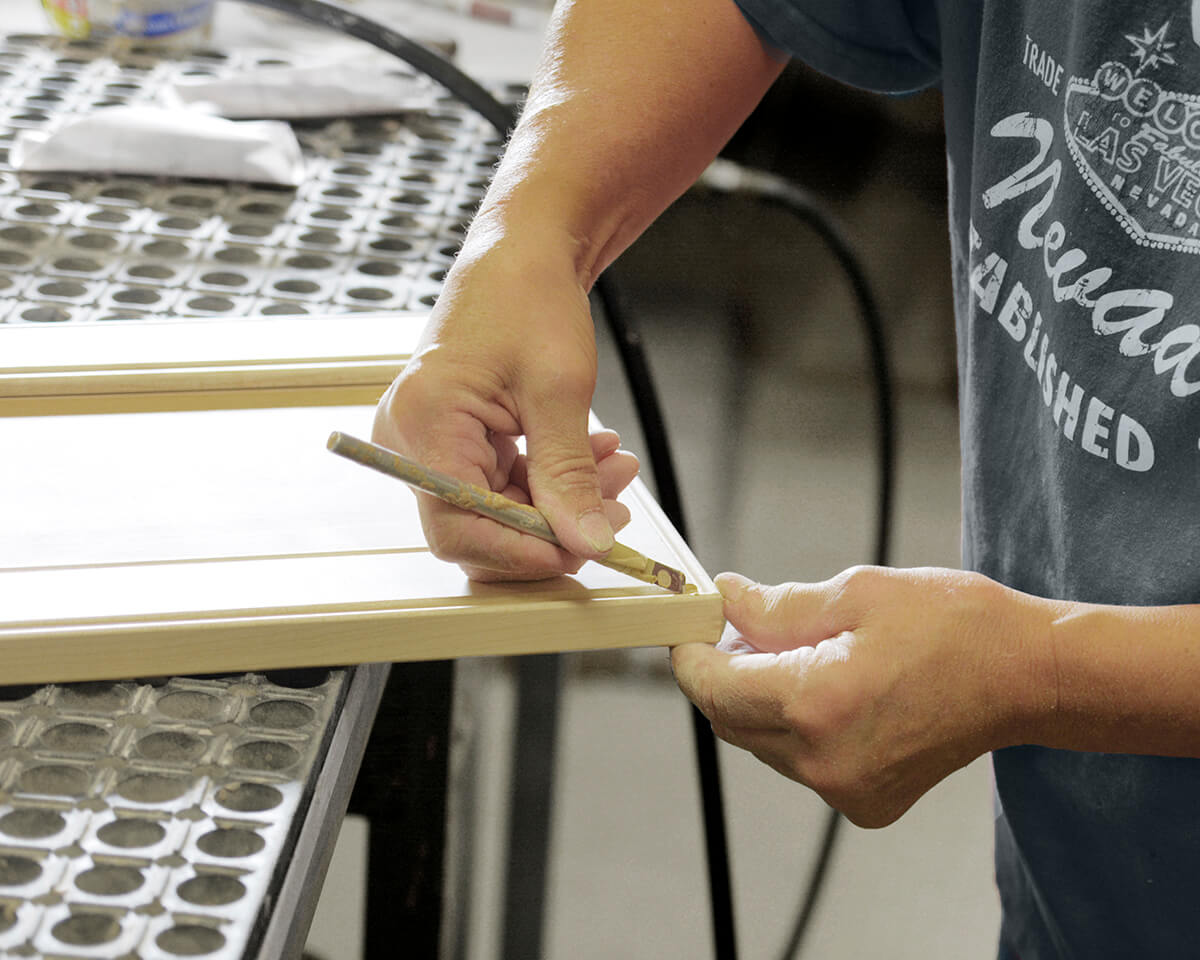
1134 140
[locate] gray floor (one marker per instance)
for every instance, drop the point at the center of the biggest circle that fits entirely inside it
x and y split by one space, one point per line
772 420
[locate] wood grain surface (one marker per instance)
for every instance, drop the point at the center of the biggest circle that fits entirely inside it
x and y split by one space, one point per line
136 544
202 364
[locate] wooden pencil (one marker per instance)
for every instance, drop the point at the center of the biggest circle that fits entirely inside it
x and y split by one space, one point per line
488 503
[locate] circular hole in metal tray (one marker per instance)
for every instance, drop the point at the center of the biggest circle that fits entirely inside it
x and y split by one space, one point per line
261 208
390 245
31 823
379 268
321 238
136 295
45 315
332 214
225 278
108 215
92 241
51 186
410 198
369 293
110 881
43 99
189 705
352 170
283 309
87 929
297 286
56 780
151 271
281 714
231 842
429 156
180 224
165 248
16 871
211 304
152 788
211 890
303 678
190 940
265 755
131 832
193 201
62 288
342 193
309 261
77 264
243 255
401 221
75 737
171 745
14 258
22 236
130 193
249 797
250 229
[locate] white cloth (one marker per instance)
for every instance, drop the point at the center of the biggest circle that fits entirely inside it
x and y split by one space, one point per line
160 142
312 90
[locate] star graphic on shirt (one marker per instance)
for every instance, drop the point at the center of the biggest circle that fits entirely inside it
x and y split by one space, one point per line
1152 49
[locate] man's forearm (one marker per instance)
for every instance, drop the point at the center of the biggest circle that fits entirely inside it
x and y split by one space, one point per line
1126 679
630 103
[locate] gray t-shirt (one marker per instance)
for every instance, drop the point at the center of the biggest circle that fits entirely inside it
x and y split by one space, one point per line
1073 139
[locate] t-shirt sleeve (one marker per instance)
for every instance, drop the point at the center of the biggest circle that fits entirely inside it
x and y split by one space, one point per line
884 45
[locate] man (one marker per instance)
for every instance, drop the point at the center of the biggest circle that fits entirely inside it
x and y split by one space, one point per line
1073 652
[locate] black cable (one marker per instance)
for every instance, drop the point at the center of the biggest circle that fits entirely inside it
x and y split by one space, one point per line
427 61
728 177
637 372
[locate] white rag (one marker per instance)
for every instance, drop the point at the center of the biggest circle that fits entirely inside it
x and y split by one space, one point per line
312 90
160 142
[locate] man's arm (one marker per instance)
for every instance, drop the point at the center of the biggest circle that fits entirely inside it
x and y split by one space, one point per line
873 686
631 102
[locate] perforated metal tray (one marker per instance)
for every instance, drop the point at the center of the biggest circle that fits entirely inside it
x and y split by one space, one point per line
375 225
148 818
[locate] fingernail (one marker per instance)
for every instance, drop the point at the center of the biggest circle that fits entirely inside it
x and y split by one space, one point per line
732 585
596 530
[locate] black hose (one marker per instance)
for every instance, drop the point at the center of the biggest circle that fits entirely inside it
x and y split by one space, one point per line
421 58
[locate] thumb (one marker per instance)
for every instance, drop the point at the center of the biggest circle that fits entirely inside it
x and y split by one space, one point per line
563 479
779 617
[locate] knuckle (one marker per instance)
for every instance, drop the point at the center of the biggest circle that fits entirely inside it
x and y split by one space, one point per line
573 473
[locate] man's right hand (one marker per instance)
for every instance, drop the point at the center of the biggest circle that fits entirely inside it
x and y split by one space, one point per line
509 351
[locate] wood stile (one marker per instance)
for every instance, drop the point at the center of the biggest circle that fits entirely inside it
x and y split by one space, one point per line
125 366
180 514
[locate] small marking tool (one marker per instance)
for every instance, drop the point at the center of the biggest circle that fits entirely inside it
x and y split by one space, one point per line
488 503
